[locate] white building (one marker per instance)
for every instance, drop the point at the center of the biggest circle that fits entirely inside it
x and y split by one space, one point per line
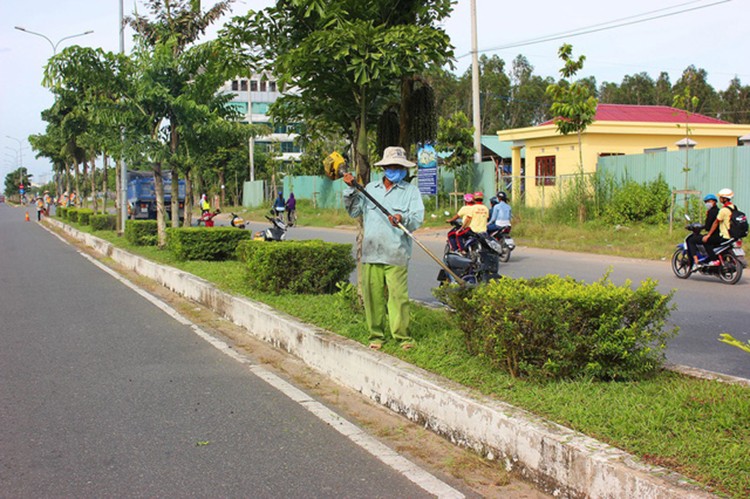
260 92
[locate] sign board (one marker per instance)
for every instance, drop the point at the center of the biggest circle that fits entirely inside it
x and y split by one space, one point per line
427 178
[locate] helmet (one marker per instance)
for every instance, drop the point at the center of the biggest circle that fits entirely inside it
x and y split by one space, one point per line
478 195
468 198
502 196
726 193
493 201
710 197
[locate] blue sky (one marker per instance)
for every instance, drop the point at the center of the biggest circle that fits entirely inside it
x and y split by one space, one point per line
714 37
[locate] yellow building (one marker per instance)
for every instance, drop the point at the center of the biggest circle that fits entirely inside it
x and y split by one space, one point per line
552 159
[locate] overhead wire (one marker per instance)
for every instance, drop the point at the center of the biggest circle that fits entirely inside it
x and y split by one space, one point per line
603 26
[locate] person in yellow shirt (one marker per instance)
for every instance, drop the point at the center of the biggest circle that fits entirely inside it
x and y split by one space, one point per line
722 221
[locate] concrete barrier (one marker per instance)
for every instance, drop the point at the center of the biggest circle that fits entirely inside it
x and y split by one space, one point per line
558 460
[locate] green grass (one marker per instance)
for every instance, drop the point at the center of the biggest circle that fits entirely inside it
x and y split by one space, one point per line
697 427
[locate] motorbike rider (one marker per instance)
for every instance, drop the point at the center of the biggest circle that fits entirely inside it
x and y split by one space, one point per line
695 239
473 216
720 225
501 214
205 206
279 205
453 234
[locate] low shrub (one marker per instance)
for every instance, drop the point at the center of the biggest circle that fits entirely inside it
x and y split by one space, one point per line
639 202
84 216
104 222
72 215
141 232
202 243
61 212
307 267
560 328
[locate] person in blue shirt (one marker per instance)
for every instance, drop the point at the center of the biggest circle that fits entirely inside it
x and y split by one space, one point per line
501 213
386 249
279 205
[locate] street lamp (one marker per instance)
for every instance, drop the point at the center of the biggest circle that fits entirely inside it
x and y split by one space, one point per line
53 45
20 149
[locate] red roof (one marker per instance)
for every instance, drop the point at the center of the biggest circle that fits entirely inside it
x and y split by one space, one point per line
651 114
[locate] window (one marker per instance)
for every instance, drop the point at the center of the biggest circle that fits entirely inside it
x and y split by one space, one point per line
289 147
605 154
262 85
260 107
253 85
279 128
545 170
243 85
655 150
235 85
272 86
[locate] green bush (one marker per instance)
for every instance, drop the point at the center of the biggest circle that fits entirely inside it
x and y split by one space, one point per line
61 212
104 222
306 267
205 243
84 216
141 232
72 215
560 328
635 202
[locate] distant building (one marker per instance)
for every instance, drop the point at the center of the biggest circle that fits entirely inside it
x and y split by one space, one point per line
261 91
551 158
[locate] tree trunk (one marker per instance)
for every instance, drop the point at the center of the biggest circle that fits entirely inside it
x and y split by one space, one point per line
94 202
78 184
407 87
581 183
118 194
161 211
175 197
104 184
221 187
188 199
67 178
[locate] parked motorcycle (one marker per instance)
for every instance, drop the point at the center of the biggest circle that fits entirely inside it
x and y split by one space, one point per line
207 218
478 261
502 236
237 221
276 232
730 255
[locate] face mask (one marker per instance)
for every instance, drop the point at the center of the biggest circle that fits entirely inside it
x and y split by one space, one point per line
395 175
708 206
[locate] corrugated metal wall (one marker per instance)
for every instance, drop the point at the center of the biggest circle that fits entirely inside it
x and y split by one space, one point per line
710 170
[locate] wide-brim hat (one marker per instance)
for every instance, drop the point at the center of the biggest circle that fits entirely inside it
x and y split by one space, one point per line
395 156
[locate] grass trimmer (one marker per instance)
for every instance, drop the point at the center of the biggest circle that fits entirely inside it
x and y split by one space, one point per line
334 167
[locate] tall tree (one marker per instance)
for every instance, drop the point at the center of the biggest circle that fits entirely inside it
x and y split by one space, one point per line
574 109
346 59
735 102
695 82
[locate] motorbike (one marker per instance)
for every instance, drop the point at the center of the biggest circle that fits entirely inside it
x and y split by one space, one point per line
207 218
478 261
237 221
730 254
502 236
276 232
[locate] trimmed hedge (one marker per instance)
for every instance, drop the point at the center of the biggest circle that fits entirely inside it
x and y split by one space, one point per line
559 328
205 243
84 216
62 212
305 267
141 232
72 215
104 222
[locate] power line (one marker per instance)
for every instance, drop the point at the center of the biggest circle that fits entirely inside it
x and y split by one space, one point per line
603 26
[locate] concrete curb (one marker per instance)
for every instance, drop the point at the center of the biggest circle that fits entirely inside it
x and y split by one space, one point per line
557 459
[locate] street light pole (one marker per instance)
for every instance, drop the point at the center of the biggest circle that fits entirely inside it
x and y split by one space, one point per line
20 149
475 86
53 45
123 165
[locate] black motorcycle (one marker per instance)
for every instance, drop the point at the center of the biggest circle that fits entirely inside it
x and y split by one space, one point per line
729 254
477 261
507 243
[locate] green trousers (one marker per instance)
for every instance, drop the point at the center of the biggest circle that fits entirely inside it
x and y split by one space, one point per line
386 286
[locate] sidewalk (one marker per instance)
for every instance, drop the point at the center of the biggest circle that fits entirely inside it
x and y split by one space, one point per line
557 459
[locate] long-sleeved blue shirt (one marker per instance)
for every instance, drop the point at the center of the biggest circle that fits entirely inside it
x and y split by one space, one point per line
501 214
382 242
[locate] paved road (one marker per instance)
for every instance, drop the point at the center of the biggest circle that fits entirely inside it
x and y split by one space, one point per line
103 395
705 306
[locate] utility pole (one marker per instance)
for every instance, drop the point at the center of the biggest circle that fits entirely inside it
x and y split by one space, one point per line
124 167
475 86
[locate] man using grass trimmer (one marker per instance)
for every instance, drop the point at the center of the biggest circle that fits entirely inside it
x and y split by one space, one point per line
386 249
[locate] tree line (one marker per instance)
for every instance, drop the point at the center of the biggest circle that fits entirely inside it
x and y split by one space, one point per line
513 96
